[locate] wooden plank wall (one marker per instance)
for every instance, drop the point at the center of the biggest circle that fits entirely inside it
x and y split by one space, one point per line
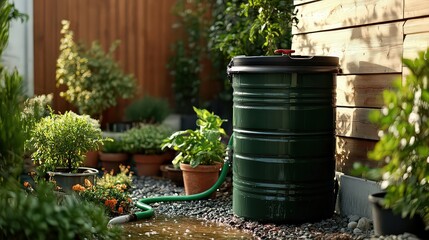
144 28
370 38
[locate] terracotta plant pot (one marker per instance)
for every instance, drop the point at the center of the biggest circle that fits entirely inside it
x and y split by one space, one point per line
175 175
200 178
111 161
148 164
91 159
163 169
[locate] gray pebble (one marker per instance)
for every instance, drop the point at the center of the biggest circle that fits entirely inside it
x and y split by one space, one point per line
353 218
219 210
363 224
357 231
352 225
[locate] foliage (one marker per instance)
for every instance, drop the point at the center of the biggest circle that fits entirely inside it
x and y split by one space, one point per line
147 110
146 138
35 109
114 146
247 27
62 140
41 215
201 146
12 136
93 78
251 27
8 12
124 177
109 192
404 141
185 65
364 171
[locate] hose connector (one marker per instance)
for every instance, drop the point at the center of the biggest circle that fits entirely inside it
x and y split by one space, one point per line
122 219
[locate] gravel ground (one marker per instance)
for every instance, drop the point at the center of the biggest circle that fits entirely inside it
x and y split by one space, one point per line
219 210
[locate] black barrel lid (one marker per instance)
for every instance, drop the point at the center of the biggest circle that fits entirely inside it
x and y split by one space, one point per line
283 63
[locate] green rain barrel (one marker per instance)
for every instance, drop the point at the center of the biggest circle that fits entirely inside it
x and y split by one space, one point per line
283 124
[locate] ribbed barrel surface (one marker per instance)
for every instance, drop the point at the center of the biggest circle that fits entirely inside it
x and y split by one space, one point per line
283 123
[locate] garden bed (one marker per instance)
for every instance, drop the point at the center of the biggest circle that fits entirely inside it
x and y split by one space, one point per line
219 211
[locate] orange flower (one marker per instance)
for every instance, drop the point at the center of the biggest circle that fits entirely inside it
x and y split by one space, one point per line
78 188
111 203
27 184
120 210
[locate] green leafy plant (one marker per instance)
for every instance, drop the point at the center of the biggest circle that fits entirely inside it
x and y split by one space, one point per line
147 110
251 27
42 214
146 138
109 192
247 27
35 108
62 140
404 141
200 146
123 178
8 12
12 135
185 64
93 78
114 146
364 171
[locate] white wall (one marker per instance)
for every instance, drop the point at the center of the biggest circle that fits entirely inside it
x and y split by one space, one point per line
19 52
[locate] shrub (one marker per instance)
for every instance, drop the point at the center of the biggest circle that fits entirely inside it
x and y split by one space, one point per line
146 139
147 110
41 215
404 141
62 140
114 146
93 78
12 136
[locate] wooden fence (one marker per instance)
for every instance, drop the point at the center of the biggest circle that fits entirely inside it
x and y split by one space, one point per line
143 26
370 37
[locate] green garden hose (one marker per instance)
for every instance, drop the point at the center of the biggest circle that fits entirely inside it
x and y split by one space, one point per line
147 210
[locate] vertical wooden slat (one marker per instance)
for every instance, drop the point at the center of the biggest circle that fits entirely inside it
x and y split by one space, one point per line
50 52
122 33
93 22
140 42
62 13
82 21
103 24
39 47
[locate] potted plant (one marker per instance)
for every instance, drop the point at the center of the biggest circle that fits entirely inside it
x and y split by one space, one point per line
404 146
112 155
61 142
93 78
149 110
145 142
200 152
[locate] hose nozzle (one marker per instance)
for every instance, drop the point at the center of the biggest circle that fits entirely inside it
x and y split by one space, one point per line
122 219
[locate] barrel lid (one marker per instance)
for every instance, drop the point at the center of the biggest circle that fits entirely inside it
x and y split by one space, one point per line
283 63
285 60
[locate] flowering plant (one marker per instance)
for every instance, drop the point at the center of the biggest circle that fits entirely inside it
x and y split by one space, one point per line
404 141
110 191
